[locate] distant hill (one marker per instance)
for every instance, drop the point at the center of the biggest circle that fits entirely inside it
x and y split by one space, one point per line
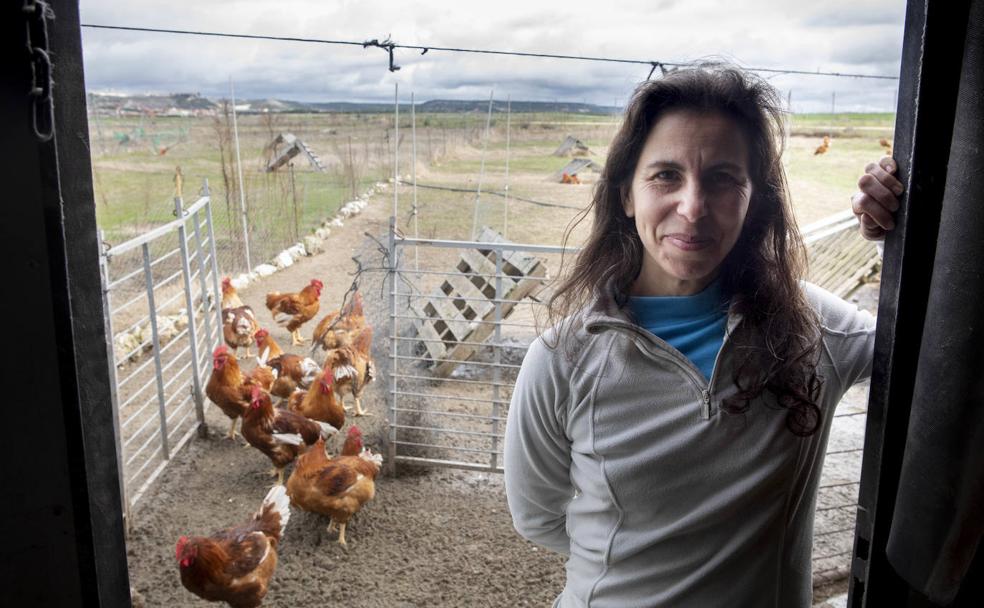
189 104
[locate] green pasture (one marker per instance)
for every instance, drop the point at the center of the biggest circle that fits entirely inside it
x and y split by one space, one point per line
134 183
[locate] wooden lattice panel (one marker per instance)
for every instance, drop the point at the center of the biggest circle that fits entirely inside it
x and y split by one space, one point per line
461 313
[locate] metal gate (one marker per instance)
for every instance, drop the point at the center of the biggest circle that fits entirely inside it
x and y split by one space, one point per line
459 329
161 303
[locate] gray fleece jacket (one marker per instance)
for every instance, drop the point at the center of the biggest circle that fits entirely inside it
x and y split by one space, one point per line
625 462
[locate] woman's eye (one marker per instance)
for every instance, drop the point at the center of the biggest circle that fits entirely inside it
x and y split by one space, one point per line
723 179
666 175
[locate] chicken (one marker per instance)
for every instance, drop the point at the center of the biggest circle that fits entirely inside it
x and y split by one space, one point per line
238 321
291 310
340 327
293 371
227 386
278 433
822 148
569 179
336 487
230 297
352 368
887 146
235 565
319 402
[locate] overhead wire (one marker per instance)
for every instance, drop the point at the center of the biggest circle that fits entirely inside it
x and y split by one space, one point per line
390 46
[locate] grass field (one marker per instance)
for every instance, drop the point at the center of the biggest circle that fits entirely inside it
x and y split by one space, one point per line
135 183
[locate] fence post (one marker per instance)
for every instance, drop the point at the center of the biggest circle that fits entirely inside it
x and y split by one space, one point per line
202 284
190 307
215 266
114 389
394 334
497 349
152 310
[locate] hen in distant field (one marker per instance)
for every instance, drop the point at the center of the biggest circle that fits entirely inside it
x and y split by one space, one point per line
292 310
337 487
235 565
238 321
822 148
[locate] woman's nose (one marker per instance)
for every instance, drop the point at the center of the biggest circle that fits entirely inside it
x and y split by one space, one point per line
693 202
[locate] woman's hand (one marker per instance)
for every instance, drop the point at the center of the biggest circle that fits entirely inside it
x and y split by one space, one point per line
878 199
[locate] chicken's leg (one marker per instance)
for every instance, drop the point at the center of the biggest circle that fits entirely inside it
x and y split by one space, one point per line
280 476
296 338
358 408
341 535
232 430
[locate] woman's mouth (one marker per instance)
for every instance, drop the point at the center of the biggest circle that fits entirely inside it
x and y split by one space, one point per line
688 242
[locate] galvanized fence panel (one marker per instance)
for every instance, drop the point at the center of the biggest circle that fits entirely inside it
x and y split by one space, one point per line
161 298
446 412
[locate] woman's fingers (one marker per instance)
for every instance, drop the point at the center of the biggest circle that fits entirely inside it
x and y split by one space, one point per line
875 201
870 230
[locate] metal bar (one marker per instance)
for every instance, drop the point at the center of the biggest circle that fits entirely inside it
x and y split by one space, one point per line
131 398
475 274
150 439
164 257
147 462
114 390
217 299
835 507
449 414
136 298
190 307
157 346
442 380
155 233
430 462
202 270
174 341
410 339
448 397
504 365
177 375
497 371
147 421
496 300
153 476
445 447
504 323
129 275
406 242
394 332
134 372
448 431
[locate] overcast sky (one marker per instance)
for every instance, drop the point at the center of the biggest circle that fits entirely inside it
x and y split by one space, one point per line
862 36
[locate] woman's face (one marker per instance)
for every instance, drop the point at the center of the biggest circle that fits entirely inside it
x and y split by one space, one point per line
689 197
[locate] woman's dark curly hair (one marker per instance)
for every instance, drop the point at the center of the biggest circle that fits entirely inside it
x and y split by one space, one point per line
777 343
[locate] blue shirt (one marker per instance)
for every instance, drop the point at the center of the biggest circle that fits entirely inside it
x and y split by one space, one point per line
694 325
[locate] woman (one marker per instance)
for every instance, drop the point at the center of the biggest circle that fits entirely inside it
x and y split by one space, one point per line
667 433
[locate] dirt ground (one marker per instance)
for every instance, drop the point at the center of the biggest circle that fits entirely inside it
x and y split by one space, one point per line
430 538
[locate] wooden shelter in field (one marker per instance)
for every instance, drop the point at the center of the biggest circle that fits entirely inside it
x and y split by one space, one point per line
572 146
577 165
285 147
462 312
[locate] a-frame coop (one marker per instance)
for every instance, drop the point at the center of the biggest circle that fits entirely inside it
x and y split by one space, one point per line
285 147
572 146
461 313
